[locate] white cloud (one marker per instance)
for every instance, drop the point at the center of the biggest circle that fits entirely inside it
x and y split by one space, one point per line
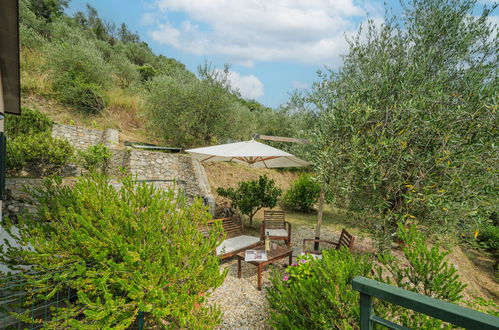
299 84
249 86
311 31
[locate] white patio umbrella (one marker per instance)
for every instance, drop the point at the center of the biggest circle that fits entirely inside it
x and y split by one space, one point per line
250 152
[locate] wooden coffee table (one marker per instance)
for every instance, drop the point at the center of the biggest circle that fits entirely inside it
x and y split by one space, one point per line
272 256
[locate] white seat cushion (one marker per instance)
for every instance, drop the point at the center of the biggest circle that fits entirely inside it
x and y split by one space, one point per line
236 243
277 232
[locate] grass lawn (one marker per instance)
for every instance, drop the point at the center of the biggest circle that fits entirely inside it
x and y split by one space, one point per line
333 219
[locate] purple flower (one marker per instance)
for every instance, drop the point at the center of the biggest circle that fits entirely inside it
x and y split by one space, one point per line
303 261
285 278
294 264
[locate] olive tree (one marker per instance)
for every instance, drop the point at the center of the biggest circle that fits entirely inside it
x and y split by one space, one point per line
408 125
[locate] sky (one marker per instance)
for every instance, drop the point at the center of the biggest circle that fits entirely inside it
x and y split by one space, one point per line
273 47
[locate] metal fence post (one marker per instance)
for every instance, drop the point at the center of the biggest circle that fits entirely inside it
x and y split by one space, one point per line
366 309
141 320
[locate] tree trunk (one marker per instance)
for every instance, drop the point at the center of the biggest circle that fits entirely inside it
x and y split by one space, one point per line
319 218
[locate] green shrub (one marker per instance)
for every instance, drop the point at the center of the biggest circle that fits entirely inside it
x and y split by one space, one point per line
303 194
122 251
425 271
322 296
75 91
251 196
29 122
31 145
94 157
79 73
488 236
40 151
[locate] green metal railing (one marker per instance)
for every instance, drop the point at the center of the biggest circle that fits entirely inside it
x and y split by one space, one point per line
451 313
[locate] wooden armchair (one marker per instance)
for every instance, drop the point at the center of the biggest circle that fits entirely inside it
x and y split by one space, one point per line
275 224
346 240
235 239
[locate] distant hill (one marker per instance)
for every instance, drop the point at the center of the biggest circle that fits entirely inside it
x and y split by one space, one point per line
83 70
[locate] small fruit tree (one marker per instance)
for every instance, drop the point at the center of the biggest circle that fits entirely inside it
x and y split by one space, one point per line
251 196
121 251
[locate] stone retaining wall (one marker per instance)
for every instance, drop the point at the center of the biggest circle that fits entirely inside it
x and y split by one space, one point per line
82 137
158 168
17 200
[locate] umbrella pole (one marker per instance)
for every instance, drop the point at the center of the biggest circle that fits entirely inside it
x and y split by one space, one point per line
319 219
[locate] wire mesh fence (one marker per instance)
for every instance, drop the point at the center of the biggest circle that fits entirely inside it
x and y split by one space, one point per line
17 303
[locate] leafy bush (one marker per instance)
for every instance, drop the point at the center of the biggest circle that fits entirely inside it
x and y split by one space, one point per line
299 270
79 74
29 122
425 272
83 95
125 71
251 196
318 295
39 151
303 194
30 143
488 236
94 157
122 251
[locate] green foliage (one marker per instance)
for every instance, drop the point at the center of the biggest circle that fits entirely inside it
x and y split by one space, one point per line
303 194
126 72
40 152
408 125
29 122
323 299
300 270
94 157
122 251
79 75
48 9
488 236
81 94
252 195
425 272
192 113
31 145
147 72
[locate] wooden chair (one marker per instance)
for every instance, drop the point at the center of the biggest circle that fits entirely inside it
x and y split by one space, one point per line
346 240
235 240
275 224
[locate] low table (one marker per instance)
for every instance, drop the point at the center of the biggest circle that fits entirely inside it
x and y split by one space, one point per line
272 256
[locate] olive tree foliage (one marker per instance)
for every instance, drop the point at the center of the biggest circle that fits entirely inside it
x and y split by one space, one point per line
196 112
407 127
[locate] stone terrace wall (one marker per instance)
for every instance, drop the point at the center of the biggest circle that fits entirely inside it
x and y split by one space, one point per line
17 200
157 168
82 137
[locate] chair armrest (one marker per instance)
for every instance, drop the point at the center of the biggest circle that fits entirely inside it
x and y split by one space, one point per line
317 240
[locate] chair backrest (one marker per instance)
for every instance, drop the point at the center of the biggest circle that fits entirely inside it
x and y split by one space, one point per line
274 219
232 226
346 240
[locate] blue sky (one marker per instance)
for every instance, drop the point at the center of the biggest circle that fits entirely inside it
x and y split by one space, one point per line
273 47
